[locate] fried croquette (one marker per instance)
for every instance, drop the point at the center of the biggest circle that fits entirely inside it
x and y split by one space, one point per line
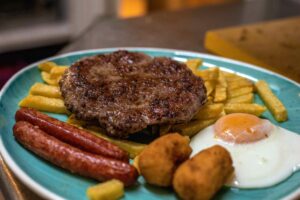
159 160
200 177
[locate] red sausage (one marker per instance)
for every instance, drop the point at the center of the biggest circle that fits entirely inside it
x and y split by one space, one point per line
71 134
73 159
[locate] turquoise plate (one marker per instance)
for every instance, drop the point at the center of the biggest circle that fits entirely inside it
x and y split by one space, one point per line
52 182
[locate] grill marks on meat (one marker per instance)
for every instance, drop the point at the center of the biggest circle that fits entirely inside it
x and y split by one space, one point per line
128 91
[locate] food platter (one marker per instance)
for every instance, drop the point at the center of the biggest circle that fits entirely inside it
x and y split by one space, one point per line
52 182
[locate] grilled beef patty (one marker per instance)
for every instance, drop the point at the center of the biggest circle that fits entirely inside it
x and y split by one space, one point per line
126 91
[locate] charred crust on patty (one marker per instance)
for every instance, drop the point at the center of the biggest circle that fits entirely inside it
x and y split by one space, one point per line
128 91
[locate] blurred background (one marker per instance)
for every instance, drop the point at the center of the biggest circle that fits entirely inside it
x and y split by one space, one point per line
31 30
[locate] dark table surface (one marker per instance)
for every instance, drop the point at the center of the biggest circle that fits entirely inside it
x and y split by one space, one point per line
179 30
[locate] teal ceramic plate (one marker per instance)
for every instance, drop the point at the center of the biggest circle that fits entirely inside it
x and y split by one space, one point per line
54 183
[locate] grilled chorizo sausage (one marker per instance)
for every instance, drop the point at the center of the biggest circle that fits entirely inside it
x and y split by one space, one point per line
71 158
71 134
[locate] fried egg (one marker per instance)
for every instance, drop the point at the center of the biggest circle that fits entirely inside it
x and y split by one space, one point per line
263 154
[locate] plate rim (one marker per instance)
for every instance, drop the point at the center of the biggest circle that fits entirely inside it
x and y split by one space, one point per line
44 192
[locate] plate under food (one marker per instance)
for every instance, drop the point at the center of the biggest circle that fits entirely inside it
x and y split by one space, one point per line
52 182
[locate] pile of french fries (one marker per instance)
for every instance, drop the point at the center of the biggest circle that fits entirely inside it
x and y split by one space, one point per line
226 93
46 96
229 93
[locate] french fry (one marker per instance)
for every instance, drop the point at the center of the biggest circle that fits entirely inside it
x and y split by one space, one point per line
239 84
220 94
112 190
239 91
276 107
136 164
254 109
133 148
210 100
46 66
222 82
76 122
41 89
57 71
221 114
235 79
193 127
209 111
246 98
210 74
227 74
42 103
193 64
48 80
230 77
210 86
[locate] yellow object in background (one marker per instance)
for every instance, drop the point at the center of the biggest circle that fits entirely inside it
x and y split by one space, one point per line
274 45
132 8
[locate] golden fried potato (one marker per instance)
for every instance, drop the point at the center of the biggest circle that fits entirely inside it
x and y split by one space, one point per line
200 177
136 164
246 98
46 66
46 77
57 71
109 190
233 77
254 109
45 90
210 74
210 100
193 64
220 94
222 82
239 83
193 127
210 86
209 111
42 103
159 160
133 148
239 91
276 107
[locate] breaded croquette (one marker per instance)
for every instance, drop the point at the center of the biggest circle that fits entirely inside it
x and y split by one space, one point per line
159 160
200 177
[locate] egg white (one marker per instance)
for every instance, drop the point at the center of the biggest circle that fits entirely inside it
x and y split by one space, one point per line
259 164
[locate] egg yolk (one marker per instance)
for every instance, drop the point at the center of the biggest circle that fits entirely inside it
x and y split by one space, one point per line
242 128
